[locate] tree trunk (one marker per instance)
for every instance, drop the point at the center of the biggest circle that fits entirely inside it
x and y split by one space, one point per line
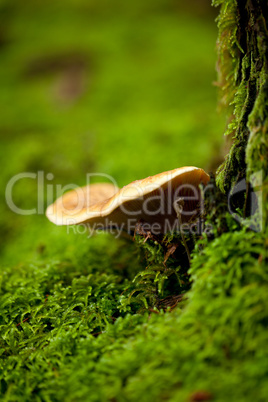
243 79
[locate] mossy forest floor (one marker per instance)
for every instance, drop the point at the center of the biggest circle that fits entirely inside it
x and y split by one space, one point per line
123 89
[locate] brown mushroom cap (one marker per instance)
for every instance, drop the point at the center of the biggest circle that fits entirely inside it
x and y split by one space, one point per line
76 202
149 200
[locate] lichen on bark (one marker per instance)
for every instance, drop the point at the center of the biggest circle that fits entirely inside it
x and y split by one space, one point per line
243 79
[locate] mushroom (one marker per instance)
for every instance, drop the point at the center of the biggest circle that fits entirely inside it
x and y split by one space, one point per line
162 202
67 209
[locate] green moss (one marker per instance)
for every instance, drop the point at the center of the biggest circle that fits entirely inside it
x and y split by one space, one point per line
243 77
74 344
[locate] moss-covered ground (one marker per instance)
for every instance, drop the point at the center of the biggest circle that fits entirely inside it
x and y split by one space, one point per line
136 99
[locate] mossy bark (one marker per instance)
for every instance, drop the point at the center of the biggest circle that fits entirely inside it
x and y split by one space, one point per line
243 79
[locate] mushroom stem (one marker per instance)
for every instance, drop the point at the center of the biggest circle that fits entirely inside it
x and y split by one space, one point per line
178 207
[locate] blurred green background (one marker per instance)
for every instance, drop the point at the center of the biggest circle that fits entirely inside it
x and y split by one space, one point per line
122 88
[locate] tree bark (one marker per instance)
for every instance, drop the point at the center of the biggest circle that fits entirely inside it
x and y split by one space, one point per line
243 79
